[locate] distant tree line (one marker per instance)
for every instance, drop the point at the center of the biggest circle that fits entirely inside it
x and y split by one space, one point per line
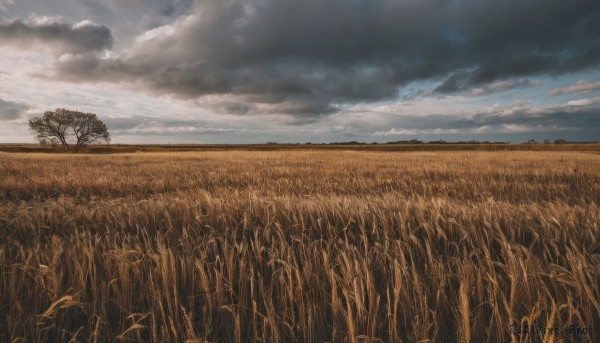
416 141
556 141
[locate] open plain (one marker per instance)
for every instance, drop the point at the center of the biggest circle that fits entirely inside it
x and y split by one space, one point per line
300 245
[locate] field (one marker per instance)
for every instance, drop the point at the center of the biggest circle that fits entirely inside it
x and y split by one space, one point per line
298 245
387 147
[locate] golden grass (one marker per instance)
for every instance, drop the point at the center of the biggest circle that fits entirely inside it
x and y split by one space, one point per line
307 246
130 148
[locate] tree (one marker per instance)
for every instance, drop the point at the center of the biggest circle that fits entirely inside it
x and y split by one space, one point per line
69 128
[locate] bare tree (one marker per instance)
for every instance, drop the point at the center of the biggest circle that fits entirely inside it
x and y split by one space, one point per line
70 128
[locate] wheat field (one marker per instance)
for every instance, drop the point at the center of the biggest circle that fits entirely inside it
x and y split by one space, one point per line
300 246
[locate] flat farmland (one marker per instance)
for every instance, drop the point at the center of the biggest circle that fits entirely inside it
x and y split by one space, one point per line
300 246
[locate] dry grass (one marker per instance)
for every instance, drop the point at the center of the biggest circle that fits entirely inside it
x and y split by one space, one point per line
306 246
387 147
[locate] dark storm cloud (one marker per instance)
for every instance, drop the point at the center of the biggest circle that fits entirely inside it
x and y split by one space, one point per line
64 38
11 110
171 7
306 57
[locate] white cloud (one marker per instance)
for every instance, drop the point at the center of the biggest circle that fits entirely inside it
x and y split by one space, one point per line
581 86
85 23
415 132
584 102
499 86
44 20
159 32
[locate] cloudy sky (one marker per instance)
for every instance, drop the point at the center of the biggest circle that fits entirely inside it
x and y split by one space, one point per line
253 71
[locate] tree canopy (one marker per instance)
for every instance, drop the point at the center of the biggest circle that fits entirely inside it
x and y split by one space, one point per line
69 128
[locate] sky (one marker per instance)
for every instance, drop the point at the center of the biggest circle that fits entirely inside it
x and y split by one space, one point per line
296 71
